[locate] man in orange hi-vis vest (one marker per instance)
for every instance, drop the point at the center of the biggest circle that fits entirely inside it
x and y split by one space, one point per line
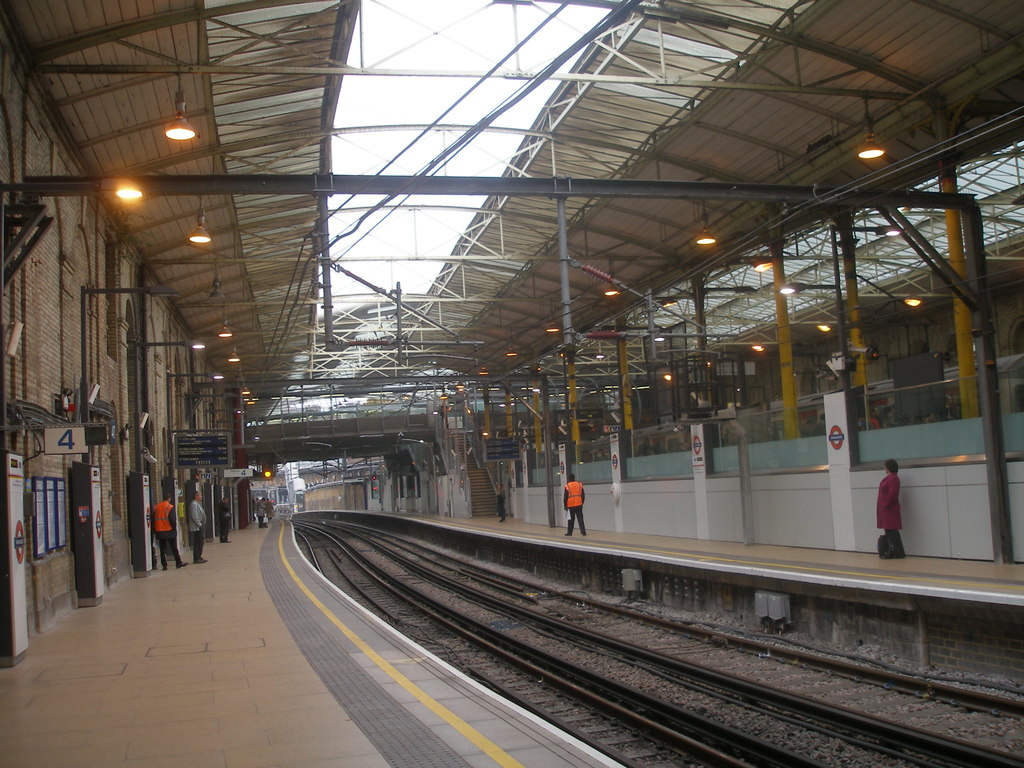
164 530
572 500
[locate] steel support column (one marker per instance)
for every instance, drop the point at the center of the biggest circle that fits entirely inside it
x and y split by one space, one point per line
988 390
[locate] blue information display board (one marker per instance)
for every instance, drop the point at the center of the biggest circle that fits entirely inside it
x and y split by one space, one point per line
502 448
202 448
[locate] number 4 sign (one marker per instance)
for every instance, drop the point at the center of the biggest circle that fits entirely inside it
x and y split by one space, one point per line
64 440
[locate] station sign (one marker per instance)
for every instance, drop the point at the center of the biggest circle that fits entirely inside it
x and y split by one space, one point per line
202 448
502 448
240 472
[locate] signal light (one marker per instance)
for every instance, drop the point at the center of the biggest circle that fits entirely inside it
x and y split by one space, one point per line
268 472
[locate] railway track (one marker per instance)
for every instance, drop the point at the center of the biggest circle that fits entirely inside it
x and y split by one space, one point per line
646 690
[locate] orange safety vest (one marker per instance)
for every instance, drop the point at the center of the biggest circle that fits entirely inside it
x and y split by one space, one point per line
575 489
162 516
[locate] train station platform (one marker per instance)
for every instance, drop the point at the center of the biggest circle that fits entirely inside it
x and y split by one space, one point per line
960 615
251 660
965 580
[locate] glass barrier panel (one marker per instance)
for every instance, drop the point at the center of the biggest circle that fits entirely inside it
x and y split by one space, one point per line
1011 389
595 472
656 442
802 452
922 441
665 465
724 458
1013 432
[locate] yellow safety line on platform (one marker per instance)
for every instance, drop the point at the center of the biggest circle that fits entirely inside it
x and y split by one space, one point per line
488 747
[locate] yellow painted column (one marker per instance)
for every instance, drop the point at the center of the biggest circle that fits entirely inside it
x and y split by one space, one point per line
961 312
574 422
508 413
860 373
790 424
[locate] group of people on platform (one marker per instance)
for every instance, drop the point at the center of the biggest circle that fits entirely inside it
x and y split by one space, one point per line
165 525
165 529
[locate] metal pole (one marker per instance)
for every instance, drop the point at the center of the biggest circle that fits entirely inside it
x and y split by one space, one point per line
549 473
563 273
988 391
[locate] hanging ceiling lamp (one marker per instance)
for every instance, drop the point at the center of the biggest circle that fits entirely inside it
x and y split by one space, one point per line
179 129
233 357
225 331
216 293
869 149
705 237
199 235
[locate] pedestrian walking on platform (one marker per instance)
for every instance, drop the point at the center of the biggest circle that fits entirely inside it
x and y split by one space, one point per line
572 500
196 521
887 513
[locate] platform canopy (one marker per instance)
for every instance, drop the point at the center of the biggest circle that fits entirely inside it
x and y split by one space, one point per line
344 294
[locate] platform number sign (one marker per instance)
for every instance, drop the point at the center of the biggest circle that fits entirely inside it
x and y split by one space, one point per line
65 440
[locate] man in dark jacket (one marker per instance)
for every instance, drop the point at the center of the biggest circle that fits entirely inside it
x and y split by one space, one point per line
224 507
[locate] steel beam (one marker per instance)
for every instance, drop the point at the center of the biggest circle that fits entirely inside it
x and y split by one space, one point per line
557 187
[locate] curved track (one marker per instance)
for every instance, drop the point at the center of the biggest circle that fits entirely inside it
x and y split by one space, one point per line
675 705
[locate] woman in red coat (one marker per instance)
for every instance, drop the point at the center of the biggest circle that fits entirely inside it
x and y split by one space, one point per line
887 510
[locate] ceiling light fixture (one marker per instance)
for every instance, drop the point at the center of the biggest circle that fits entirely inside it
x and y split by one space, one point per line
216 293
758 347
762 264
611 290
869 148
913 301
552 328
179 129
126 190
233 357
824 327
705 237
225 332
199 235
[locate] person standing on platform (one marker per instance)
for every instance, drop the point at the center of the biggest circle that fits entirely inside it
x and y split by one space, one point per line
225 519
887 513
166 532
572 499
499 501
196 521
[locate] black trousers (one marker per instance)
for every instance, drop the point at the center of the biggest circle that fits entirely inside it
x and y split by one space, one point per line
198 539
576 516
172 545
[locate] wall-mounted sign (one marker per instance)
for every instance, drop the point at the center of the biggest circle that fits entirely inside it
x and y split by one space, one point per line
202 448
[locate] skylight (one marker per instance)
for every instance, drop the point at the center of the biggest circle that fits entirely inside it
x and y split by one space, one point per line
421 92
